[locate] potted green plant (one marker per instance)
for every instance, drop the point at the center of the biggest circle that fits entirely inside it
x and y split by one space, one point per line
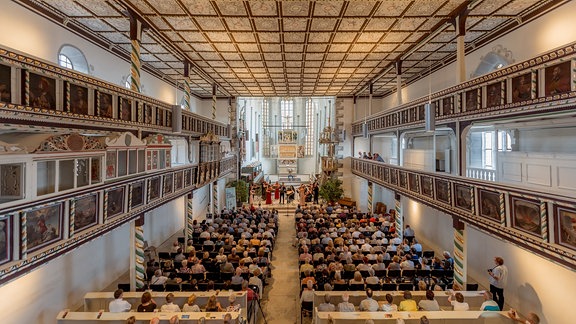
331 190
241 191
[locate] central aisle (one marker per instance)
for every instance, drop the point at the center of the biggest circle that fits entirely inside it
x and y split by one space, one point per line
281 305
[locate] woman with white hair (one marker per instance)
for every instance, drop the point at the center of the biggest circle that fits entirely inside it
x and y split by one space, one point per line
233 307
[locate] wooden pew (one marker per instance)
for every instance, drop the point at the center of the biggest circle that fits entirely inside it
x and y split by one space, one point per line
473 298
442 317
96 301
348 202
141 318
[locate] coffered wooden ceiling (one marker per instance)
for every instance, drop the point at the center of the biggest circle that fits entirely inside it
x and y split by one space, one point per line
292 48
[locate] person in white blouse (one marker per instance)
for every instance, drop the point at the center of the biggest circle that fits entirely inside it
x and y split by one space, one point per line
170 307
119 305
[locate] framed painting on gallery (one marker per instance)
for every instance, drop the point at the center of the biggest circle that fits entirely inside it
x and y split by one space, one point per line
526 215
114 202
565 226
489 204
43 226
136 194
443 192
85 211
463 197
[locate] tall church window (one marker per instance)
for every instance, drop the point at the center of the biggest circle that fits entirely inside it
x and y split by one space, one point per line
265 123
311 107
287 113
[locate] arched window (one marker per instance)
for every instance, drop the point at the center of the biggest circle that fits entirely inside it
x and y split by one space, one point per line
71 57
65 61
498 58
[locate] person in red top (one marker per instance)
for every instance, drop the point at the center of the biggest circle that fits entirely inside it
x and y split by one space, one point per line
251 294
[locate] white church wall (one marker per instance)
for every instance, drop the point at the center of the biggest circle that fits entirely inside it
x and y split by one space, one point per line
164 221
533 281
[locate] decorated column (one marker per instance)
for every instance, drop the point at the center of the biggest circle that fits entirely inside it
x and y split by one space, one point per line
370 193
215 204
399 218
460 50
189 215
187 90
214 90
460 254
135 64
137 273
399 82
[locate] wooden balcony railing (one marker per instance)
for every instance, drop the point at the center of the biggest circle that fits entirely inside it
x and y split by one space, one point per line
518 215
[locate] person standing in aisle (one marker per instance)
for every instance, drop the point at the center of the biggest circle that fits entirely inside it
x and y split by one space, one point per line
498 279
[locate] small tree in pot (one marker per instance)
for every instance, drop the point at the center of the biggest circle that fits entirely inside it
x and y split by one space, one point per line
331 190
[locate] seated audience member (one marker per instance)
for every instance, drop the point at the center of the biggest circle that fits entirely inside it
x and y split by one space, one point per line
213 305
227 266
388 305
458 304
119 305
233 306
155 320
346 306
308 275
416 247
190 305
174 320
532 318
338 279
422 286
158 278
369 304
184 268
424 320
175 247
180 256
407 263
489 304
173 280
198 267
408 304
131 320
228 319
147 304
237 278
429 304
326 306
357 280
256 281
170 307
394 265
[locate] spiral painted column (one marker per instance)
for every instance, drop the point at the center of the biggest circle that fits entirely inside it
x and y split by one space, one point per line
24 237
215 205
189 215
544 221
135 64
370 194
399 219
139 255
214 90
460 255
72 219
187 93
502 211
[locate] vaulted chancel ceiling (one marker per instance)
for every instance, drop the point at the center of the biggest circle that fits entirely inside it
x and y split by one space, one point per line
292 48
